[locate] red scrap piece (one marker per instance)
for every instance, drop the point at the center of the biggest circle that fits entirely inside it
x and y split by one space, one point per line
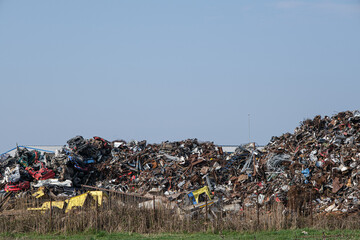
16 187
42 174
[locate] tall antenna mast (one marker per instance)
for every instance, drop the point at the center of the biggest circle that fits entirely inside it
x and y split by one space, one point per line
249 126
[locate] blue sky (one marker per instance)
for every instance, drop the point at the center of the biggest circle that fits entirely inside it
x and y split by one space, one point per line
171 70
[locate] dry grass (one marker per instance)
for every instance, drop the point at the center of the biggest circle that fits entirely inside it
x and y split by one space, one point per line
115 216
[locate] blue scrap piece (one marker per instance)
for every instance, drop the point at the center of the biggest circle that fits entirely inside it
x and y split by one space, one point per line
192 198
306 172
88 161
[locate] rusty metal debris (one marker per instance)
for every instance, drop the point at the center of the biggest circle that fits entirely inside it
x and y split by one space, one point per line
317 164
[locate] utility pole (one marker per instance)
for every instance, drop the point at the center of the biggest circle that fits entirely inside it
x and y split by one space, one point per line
249 125
254 159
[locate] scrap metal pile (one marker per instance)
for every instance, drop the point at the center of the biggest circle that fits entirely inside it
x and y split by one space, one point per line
320 159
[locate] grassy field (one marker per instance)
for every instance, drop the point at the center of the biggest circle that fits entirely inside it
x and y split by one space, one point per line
282 234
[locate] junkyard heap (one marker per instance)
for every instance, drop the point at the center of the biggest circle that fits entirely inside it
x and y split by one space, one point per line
319 163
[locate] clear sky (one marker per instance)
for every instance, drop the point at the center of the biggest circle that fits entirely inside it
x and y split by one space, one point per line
171 70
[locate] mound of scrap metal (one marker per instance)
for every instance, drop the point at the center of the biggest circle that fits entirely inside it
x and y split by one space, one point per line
318 163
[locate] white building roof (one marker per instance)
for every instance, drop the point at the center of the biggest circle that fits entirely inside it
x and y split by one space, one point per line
41 148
